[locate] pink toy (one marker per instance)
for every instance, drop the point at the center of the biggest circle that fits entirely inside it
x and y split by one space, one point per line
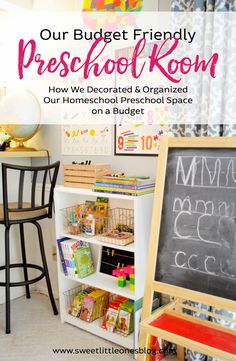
122 273
119 272
129 270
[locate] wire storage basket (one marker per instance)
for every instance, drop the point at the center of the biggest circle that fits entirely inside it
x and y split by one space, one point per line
82 219
70 297
87 303
120 227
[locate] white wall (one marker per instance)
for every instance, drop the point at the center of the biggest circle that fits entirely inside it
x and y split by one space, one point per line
164 5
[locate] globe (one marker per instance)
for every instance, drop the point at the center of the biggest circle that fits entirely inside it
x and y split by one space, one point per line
22 111
21 133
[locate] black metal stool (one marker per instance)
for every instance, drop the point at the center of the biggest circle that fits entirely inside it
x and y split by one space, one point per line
21 212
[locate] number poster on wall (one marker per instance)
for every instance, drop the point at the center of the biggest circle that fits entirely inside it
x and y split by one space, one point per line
86 139
140 135
138 139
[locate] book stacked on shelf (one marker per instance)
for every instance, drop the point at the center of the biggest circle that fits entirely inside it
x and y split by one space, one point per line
76 258
133 186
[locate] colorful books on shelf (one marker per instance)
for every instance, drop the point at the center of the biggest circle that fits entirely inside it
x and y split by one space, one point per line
83 262
59 245
133 186
76 258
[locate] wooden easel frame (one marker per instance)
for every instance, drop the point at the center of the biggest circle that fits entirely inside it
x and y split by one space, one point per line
151 284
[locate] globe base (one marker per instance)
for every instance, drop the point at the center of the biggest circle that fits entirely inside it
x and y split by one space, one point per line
21 148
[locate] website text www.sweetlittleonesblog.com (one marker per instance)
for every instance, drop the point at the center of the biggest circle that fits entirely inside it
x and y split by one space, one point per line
107 351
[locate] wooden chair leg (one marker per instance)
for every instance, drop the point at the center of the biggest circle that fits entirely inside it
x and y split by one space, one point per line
22 238
7 280
45 266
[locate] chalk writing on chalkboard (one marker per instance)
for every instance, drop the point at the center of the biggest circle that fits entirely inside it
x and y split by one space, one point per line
208 177
197 243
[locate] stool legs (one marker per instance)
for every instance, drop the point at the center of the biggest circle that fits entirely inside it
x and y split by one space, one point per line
22 238
45 266
7 280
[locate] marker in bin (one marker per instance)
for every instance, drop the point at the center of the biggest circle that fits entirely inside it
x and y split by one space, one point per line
88 162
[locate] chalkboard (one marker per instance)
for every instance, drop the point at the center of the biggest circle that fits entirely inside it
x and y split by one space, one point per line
111 258
197 240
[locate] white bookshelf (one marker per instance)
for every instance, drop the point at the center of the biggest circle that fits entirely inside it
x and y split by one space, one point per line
142 205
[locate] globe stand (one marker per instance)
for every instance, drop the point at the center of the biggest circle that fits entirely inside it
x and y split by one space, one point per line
21 148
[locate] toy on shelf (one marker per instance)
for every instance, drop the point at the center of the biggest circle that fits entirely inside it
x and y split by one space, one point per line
74 216
87 219
123 228
101 213
90 225
129 270
122 273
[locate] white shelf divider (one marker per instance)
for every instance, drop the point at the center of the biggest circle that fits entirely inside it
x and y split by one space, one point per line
105 282
90 192
94 240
